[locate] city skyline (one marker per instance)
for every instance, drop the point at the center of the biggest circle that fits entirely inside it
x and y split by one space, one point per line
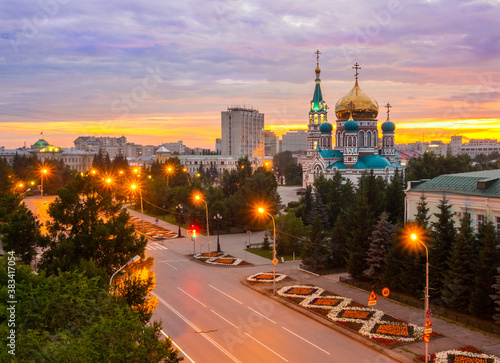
161 72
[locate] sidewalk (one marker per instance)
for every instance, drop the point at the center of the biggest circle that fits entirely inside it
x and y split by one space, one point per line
454 336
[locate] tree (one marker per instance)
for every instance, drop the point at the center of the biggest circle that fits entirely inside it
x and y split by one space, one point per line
314 253
374 189
280 162
459 277
86 224
379 242
336 246
290 231
422 217
481 304
395 199
442 237
22 235
293 173
359 226
496 297
71 318
306 204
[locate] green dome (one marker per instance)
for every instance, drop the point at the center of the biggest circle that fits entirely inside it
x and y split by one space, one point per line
388 126
351 126
41 143
325 128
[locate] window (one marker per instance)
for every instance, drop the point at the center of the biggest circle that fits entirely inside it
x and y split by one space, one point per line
479 220
498 224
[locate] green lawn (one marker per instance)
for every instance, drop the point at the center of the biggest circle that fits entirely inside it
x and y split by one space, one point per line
269 254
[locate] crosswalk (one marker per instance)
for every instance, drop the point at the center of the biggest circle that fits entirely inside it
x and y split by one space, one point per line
153 246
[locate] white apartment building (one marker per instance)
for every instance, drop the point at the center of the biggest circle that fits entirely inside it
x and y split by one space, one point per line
242 132
221 162
271 143
477 147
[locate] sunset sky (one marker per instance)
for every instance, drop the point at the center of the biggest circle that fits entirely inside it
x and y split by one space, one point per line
162 71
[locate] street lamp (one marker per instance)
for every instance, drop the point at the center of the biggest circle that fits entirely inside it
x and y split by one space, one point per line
168 170
134 187
218 218
275 260
414 237
44 171
131 261
197 197
179 216
35 232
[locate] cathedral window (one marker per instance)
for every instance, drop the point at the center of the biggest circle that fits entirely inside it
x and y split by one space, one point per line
361 139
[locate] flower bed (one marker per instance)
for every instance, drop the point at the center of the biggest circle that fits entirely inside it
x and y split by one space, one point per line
266 277
372 323
219 258
467 354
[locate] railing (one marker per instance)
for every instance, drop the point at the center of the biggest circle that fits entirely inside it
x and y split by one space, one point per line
437 310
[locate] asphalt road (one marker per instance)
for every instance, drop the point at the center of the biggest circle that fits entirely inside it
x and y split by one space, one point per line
212 317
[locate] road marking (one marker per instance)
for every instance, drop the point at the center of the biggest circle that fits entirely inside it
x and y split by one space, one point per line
265 346
151 248
265 317
298 336
183 352
222 292
160 246
223 318
192 297
165 262
198 330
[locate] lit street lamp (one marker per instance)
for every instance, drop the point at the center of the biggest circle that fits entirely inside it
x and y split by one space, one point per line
35 231
197 197
275 260
168 170
131 261
414 237
134 187
218 218
43 172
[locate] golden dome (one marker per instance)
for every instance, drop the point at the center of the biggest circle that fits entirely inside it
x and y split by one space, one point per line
318 71
365 106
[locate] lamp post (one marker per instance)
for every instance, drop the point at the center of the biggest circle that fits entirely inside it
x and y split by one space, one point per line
179 216
197 197
43 171
414 237
35 232
133 186
275 260
131 261
168 171
218 218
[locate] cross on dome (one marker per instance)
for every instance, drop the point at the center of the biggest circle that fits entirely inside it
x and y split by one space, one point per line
388 106
317 52
356 67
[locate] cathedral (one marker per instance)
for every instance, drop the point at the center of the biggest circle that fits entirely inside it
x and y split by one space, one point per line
357 149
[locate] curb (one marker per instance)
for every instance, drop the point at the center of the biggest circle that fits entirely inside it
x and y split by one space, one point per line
365 341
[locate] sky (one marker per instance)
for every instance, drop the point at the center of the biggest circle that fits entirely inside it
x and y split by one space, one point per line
162 71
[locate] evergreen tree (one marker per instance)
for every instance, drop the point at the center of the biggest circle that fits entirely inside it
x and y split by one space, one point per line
481 304
306 204
459 278
336 247
422 217
266 246
442 237
359 226
318 210
314 253
395 199
374 189
391 276
380 239
496 297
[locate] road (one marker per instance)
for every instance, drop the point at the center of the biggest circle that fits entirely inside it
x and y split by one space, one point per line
212 317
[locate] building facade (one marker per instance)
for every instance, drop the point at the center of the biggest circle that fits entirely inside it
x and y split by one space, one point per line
294 141
271 143
476 193
242 132
354 149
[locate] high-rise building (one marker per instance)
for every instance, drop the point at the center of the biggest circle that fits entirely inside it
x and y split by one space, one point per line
270 142
294 141
242 132
455 145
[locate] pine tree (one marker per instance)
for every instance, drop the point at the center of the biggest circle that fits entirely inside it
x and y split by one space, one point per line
318 210
395 199
481 304
380 239
442 237
459 279
422 217
337 243
359 226
496 297
314 253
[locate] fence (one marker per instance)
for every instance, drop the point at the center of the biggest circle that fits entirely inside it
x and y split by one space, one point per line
437 310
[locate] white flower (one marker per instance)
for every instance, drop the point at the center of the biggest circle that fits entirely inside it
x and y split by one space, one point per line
278 277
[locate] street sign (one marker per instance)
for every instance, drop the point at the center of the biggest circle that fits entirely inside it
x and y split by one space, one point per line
427 323
427 330
385 292
190 233
372 300
275 261
157 220
427 338
428 313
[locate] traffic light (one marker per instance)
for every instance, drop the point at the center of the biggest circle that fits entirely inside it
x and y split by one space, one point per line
193 231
